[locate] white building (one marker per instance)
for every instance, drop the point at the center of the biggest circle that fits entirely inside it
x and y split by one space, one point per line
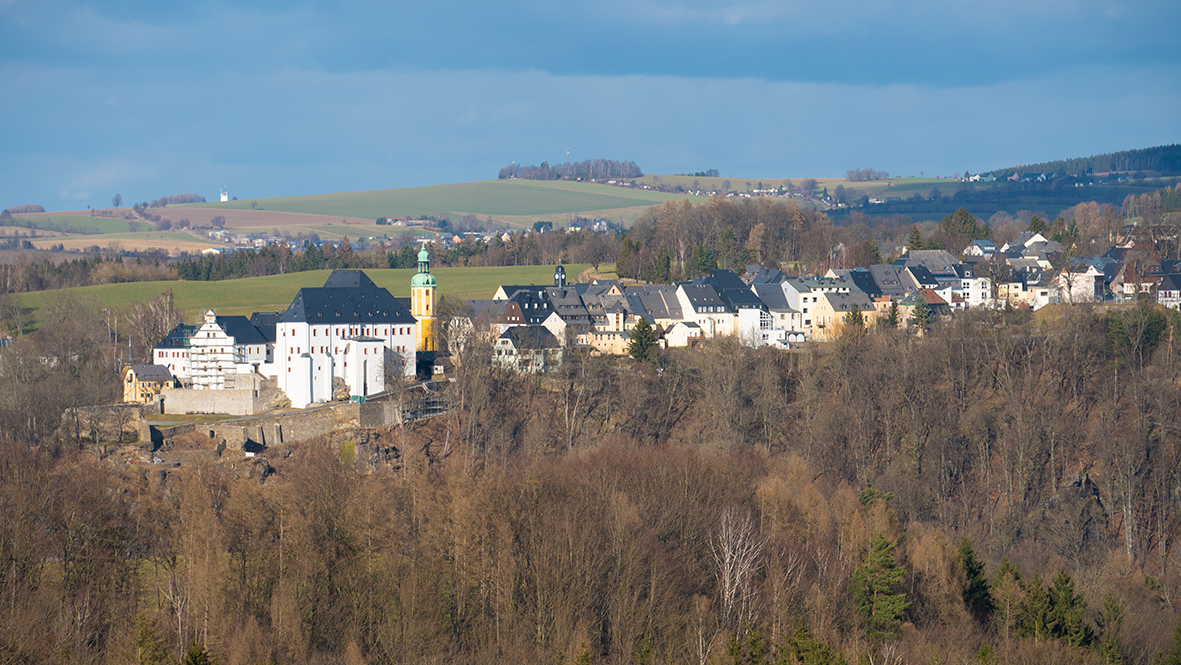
349 328
209 354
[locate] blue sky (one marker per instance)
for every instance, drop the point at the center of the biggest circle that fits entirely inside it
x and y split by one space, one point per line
276 98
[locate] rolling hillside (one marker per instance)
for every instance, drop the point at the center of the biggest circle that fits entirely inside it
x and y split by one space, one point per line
500 199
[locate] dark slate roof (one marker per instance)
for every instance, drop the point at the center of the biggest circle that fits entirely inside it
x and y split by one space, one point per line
732 290
772 296
844 302
922 277
511 290
659 300
265 322
534 304
241 329
768 276
567 303
530 337
349 279
178 337
703 295
151 372
888 280
346 298
1170 282
864 281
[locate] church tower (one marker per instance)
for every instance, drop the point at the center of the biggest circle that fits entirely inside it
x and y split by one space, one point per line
423 301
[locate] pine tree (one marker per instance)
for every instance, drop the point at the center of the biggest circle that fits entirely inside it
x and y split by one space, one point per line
873 587
915 239
197 654
920 317
1111 621
977 597
643 340
892 317
1173 655
1066 619
855 320
1035 612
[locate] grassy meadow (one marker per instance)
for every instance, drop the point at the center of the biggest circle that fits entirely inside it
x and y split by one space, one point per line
497 198
274 293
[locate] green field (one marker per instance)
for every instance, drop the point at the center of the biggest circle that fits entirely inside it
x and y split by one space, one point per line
274 293
75 223
490 197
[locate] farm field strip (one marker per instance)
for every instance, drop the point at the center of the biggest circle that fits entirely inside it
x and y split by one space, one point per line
275 292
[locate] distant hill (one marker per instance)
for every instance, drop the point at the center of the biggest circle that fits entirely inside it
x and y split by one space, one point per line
511 201
1164 160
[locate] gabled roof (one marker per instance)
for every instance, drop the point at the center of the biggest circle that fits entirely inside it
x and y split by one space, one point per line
701 296
530 337
349 279
1170 282
658 300
534 304
864 281
918 277
265 322
773 297
241 329
732 290
346 298
932 259
487 312
844 302
768 276
888 280
150 372
178 337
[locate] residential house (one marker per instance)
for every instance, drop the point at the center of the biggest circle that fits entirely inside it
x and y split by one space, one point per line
527 349
143 383
832 308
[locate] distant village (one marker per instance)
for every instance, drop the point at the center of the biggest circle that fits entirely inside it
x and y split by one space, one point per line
349 338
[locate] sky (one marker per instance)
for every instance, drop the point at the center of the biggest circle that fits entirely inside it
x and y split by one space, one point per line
279 98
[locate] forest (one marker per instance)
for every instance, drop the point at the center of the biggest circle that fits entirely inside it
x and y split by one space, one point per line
1164 159
591 169
999 490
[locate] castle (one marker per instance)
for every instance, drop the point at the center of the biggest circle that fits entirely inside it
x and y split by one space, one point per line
349 330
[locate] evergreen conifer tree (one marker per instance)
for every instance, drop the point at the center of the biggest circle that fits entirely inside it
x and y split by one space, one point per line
873 585
920 317
855 320
1035 613
977 596
1066 619
915 239
1111 621
643 340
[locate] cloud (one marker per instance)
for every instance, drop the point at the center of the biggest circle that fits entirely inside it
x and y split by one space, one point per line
303 131
87 180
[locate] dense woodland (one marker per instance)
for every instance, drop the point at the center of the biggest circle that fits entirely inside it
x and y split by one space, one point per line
591 169
1160 159
1000 490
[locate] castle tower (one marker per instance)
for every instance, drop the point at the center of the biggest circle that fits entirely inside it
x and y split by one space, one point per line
423 301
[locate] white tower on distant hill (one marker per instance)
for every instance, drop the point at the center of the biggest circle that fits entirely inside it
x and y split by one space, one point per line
225 196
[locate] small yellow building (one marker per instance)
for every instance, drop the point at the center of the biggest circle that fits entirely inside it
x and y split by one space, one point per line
143 383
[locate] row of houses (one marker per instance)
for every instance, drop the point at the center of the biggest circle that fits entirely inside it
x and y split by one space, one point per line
764 307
